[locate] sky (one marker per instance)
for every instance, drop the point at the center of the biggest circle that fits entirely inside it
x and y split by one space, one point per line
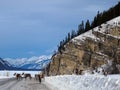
35 27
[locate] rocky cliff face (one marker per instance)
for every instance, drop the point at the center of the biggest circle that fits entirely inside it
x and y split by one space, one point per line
99 47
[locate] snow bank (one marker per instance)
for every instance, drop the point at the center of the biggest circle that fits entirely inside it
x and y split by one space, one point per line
3 77
86 82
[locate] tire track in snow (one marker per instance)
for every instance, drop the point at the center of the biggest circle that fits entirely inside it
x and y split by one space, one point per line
13 84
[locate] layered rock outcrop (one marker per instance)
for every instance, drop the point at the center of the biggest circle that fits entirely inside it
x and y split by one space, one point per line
93 49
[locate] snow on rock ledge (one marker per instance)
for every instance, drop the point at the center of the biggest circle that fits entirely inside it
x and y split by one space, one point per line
112 23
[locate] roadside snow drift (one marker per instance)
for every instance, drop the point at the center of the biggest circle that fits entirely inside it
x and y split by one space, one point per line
85 82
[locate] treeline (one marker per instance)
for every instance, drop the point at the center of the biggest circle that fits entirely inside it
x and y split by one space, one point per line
100 18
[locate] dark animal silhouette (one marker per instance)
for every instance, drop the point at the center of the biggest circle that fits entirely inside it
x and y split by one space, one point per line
42 75
105 73
76 71
27 75
38 77
18 76
80 72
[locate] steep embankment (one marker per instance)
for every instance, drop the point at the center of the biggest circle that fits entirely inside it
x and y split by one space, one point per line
99 47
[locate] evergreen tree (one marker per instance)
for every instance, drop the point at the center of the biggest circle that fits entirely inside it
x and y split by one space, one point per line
118 6
69 37
80 28
94 22
73 34
98 19
87 26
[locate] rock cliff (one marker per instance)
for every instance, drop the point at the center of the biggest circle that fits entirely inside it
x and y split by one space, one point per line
99 47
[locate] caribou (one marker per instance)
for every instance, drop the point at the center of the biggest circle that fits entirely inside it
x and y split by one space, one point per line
25 75
18 76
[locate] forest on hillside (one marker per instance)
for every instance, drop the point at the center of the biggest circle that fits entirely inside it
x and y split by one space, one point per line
83 27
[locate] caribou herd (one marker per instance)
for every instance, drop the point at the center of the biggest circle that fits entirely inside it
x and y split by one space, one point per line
28 75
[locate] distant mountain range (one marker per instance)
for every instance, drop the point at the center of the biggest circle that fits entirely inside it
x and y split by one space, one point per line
4 65
33 63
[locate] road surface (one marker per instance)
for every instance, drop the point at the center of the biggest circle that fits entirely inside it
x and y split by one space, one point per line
13 84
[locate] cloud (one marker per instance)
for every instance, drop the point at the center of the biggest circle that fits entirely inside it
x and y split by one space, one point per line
31 53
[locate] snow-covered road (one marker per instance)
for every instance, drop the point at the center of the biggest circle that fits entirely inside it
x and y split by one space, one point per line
61 82
13 84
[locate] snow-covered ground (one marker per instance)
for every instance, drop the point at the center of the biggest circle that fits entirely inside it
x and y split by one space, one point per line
74 82
85 82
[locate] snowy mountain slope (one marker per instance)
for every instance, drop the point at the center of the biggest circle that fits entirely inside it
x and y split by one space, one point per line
4 65
30 63
106 27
